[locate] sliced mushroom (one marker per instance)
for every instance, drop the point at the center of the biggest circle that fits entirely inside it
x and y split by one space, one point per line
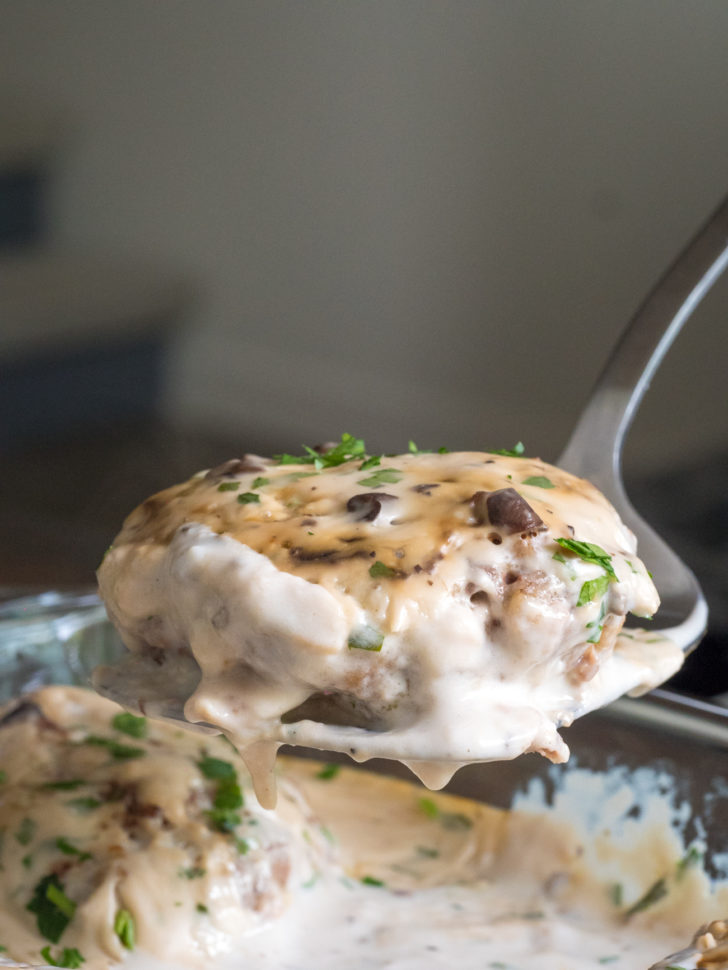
509 511
367 506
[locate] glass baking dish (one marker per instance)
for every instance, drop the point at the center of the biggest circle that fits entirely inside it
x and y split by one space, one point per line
678 744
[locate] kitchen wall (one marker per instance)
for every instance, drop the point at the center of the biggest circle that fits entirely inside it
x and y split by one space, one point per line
407 218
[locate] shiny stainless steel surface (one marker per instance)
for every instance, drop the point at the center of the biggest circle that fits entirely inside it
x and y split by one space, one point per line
594 450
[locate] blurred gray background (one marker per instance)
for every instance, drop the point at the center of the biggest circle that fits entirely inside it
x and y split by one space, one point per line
255 224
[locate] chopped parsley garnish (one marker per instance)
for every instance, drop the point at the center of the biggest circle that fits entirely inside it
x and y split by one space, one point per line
3 777
228 797
52 908
135 727
656 892
596 626
247 498
592 589
370 463
192 872
69 957
348 448
385 476
328 772
427 853
26 831
425 451
242 846
64 846
371 881
367 637
616 894
590 552
428 807
376 570
515 452
540 481
693 857
201 908
259 482
228 486
124 928
27 861
449 820
215 768
71 785
84 804
456 820
119 752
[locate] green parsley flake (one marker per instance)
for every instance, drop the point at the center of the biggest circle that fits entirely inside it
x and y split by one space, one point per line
540 481
516 451
201 908
385 476
248 498
228 797
87 804
3 777
69 957
367 637
27 861
693 857
426 451
259 482
215 768
348 448
428 807
371 881
328 772
228 486
192 872
242 846
596 626
656 892
593 589
456 821
590 552
452 821
135 727
53 909
119 752
370 463
124 928
64 846
376 570
71 785
26 831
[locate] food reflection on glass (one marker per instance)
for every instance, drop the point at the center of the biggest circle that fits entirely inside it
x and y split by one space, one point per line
437 608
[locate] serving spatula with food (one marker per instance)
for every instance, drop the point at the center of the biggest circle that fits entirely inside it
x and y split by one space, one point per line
438 608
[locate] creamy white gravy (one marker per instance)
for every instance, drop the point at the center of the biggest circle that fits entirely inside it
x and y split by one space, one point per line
435 608
352 869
